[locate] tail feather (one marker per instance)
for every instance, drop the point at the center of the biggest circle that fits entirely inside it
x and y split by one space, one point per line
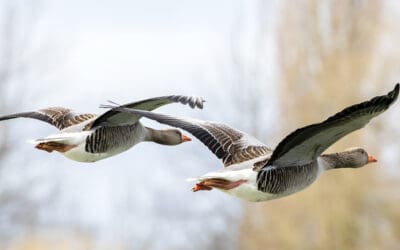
59 142
44 140
202 178
66 138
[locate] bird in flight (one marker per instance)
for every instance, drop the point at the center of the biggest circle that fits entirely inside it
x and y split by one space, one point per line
254 172
89 137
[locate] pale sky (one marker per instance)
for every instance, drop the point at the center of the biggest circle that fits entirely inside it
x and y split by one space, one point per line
126 51
144 46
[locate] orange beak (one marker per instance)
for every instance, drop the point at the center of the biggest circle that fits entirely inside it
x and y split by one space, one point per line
185 138
371 159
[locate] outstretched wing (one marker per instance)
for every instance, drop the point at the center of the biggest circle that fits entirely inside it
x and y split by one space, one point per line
305 144
230 145
113 117
56 116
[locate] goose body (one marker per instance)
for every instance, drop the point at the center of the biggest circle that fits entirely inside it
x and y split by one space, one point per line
247 189
111 141
254 172
90 137
279 184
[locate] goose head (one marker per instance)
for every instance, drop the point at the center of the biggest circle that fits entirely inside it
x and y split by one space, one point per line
351 158
168 136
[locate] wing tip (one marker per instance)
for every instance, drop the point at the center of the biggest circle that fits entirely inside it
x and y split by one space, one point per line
192 101
385 100
395 92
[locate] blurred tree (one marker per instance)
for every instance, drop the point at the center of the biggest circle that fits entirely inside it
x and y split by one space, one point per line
18 59
250 72
327 53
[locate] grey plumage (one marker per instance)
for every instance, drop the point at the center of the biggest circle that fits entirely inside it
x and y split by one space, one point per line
293 164
63 118
303 146
352 158
306 143
230 145
88 137
113 116
285 181
59 117
106 139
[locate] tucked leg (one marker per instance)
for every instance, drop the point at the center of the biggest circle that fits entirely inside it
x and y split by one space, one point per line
51 146
217 183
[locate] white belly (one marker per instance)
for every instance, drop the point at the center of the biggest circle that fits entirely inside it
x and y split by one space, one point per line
132 138
80 154
249 192
78 139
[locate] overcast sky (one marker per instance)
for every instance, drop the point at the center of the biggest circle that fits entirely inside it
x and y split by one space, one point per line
126 51
140 46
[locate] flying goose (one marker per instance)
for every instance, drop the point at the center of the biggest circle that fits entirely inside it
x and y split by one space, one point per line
90 137
254 172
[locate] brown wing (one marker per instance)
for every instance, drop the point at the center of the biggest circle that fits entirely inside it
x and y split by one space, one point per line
56 116
230 145
239 146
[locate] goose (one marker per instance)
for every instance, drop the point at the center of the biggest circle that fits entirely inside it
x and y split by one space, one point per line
254 172
89 137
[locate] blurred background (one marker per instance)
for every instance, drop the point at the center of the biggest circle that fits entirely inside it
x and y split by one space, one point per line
264 67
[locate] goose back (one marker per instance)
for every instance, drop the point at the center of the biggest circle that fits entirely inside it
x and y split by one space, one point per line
117 138
288 180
